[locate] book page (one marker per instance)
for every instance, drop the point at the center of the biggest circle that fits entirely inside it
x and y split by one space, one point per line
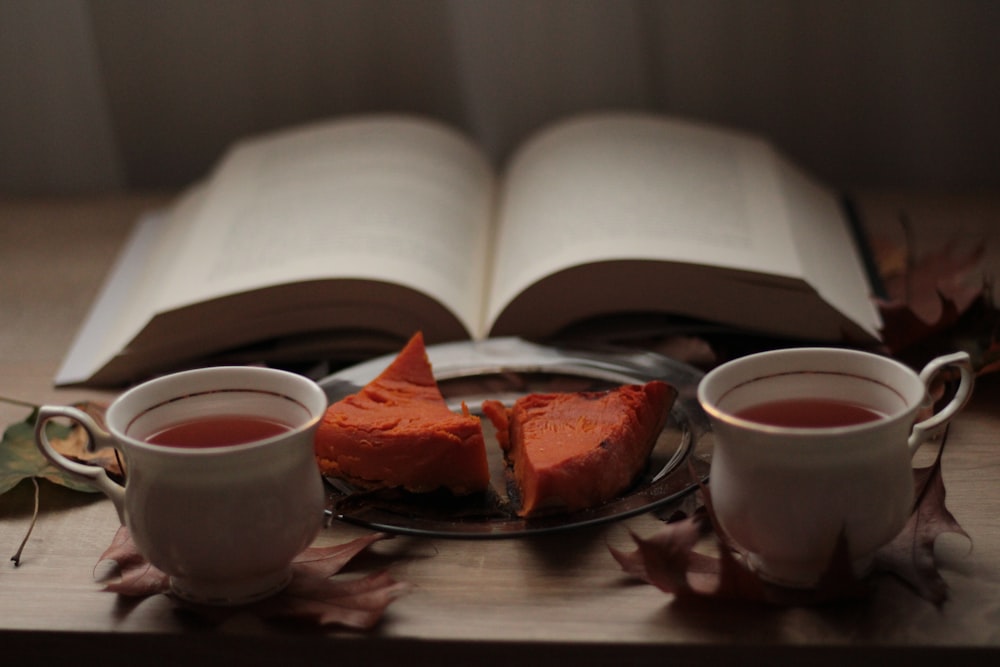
838 276
625 186
125 302
384 198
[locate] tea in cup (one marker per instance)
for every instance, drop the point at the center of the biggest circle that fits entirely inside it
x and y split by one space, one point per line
815 445
222 488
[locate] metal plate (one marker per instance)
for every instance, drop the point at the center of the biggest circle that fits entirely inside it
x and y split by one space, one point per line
504 369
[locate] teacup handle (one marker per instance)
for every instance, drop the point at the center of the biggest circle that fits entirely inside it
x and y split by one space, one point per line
98 439
924 429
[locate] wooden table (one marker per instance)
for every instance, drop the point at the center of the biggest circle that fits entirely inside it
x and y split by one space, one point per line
513 601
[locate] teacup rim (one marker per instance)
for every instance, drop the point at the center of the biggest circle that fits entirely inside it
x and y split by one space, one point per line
806 430
710 407
181 376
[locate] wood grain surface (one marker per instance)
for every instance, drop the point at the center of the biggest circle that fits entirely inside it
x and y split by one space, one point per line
479 602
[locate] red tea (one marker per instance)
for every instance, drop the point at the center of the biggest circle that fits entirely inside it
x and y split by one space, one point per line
809 413
217 431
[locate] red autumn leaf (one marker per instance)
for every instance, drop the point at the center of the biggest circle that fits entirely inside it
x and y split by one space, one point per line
983 341
929 296
902 327
325 562
936 278
668 560
910 556
991 357
137 578
357 603
976 331
310 597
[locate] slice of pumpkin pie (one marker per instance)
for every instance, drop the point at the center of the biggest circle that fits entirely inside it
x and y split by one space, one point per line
398 432
571 451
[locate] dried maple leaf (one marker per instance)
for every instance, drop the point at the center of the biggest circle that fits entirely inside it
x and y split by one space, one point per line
357 603
668 560
310 597
938 277
903 328
991 357
910 556
976 331
930 295
325 562
137 578
979 334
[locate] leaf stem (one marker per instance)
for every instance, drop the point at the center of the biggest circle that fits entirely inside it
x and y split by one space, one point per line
17 401
34 517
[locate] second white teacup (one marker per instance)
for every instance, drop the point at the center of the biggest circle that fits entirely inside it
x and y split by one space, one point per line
797 463
222 487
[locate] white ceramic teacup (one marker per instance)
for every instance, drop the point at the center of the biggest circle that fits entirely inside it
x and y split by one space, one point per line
787 493
224 522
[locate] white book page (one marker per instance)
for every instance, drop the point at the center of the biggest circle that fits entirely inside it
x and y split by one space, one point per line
630 186
126 302
381 198
839 277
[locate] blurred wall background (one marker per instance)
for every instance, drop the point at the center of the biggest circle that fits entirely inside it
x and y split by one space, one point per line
116 95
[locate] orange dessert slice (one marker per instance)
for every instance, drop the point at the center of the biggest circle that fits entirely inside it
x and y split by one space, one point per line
572 451
399 432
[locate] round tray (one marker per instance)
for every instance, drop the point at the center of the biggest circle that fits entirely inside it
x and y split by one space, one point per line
504 369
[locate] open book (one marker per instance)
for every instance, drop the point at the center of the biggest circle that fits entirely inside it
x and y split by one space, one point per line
342 238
